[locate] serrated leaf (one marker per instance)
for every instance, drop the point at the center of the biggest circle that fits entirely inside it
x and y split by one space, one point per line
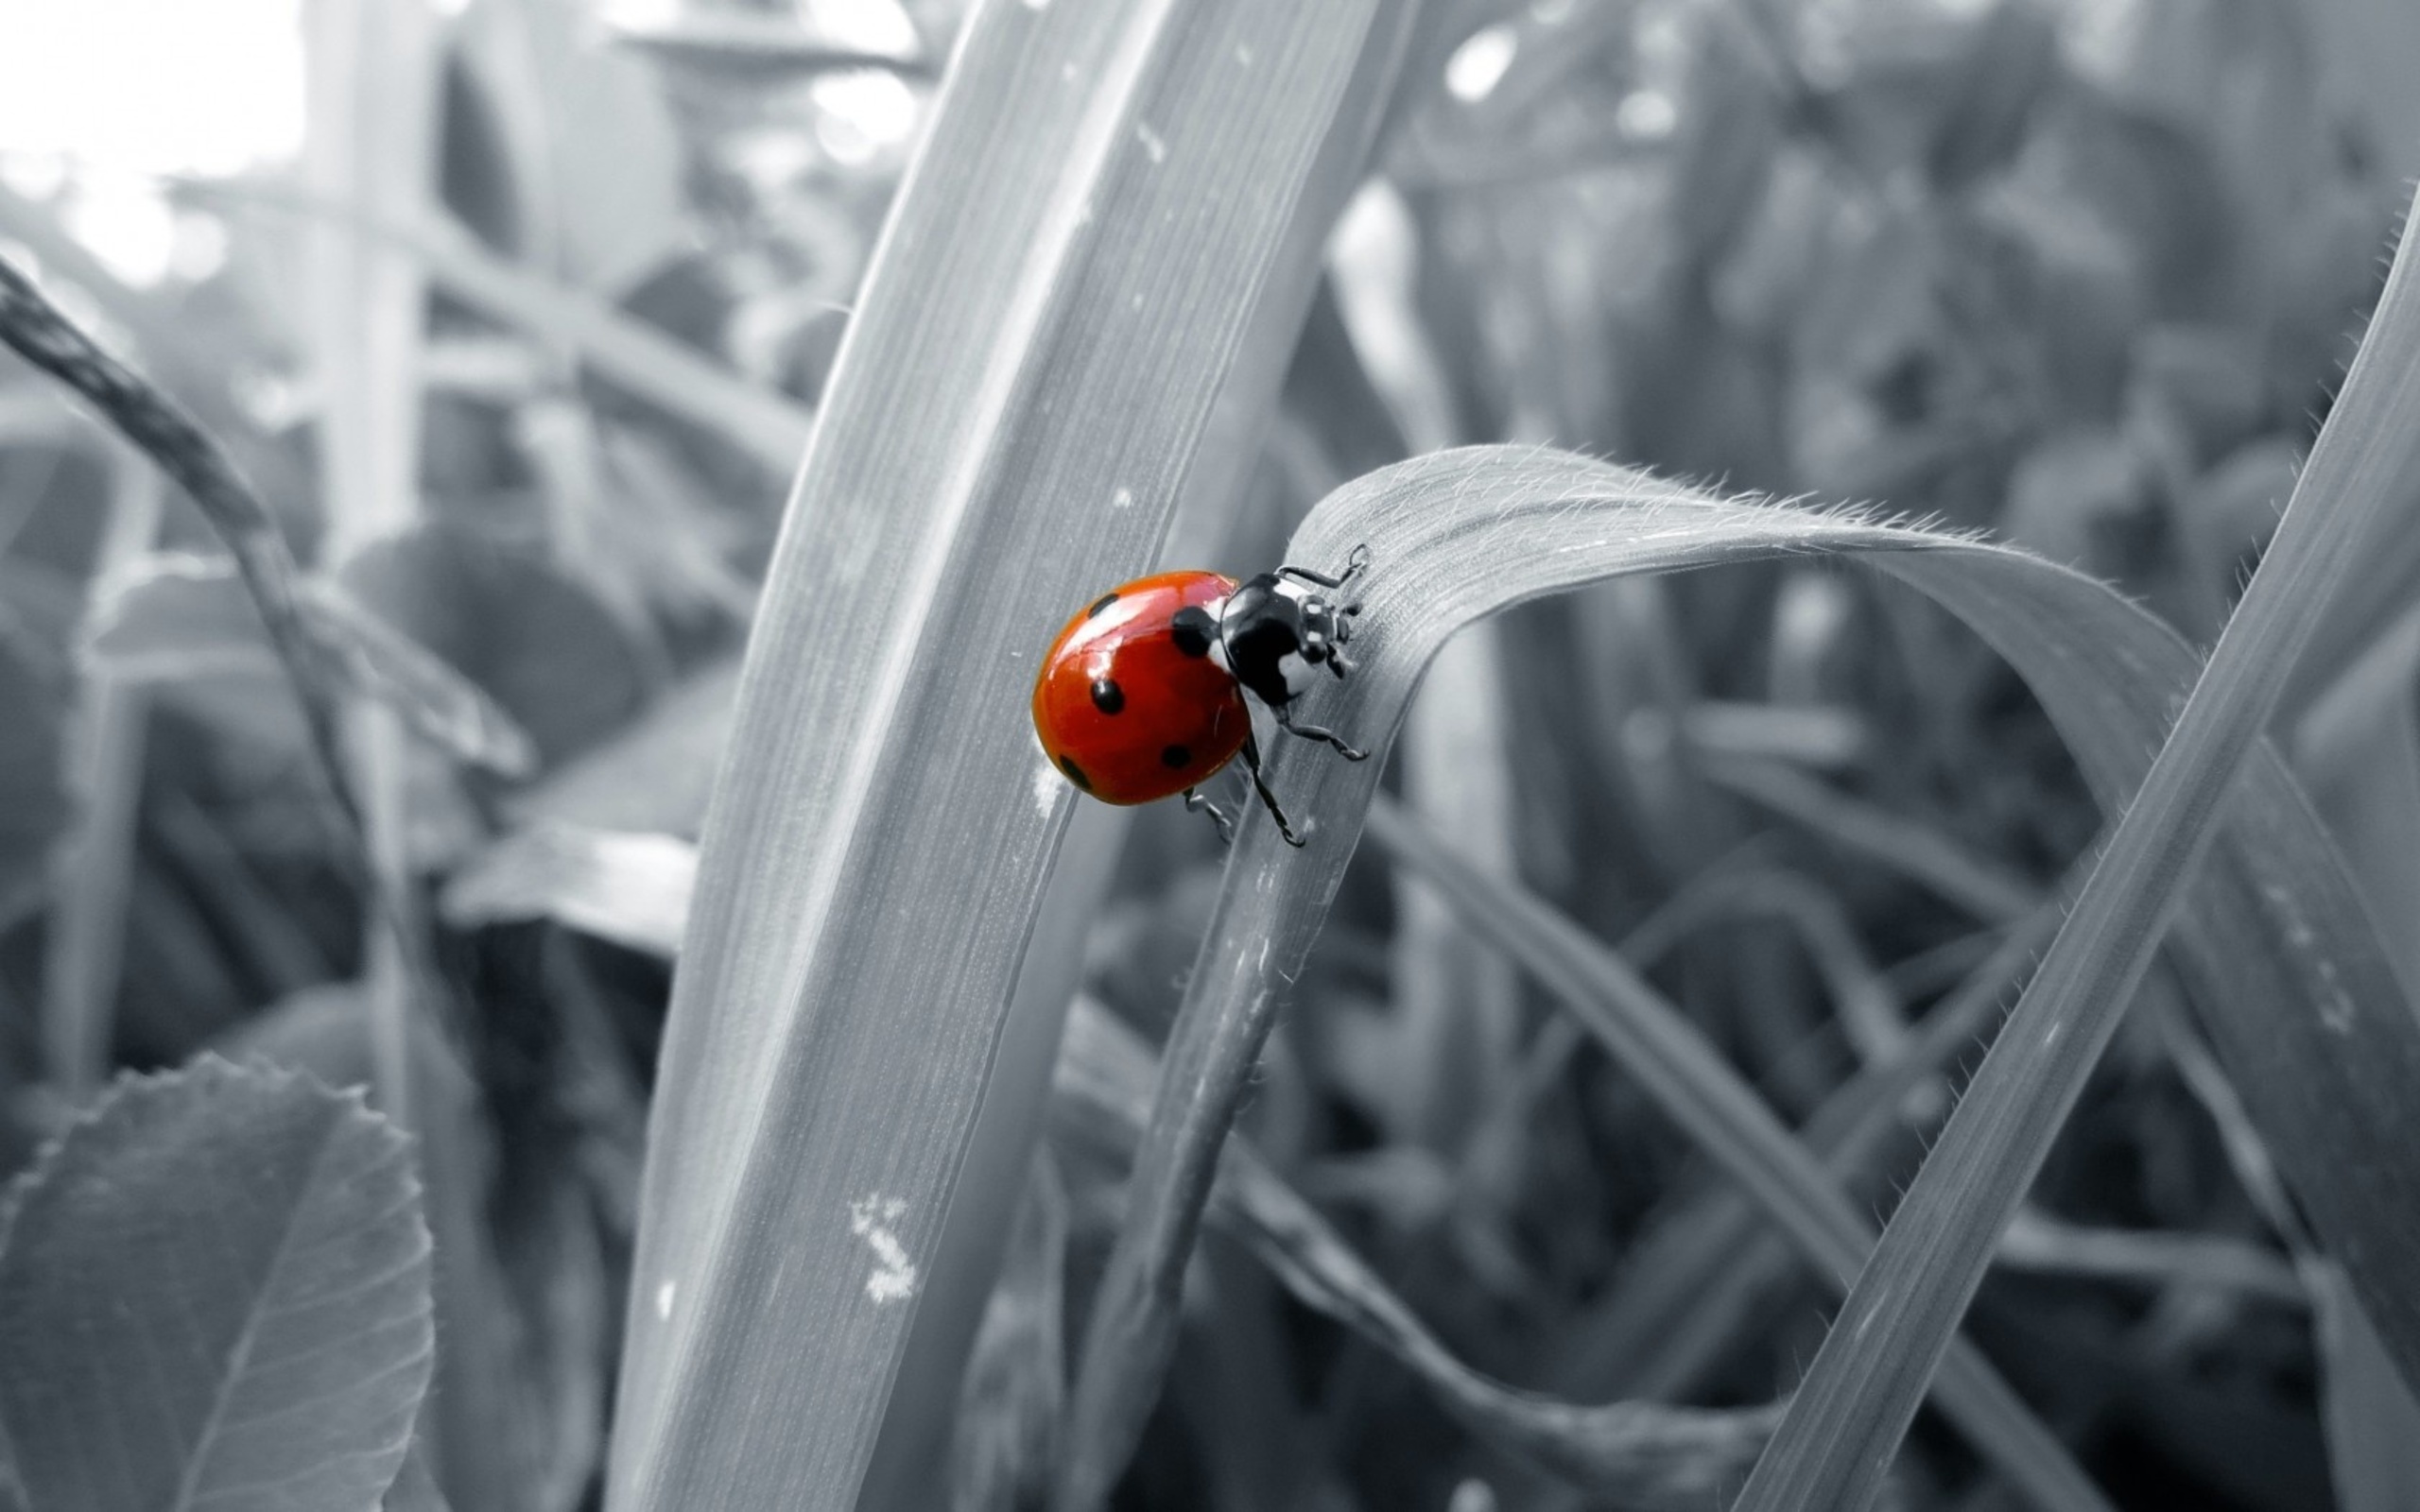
503 1335
214 1291
177 616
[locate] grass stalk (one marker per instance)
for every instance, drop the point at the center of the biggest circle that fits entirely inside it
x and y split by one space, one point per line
93 876
1655 1043
1845 1424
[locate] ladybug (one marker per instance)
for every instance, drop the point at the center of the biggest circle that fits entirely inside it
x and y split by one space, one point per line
1142 695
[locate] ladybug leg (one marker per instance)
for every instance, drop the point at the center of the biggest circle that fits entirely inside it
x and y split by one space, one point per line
1344 748
1196 803
1268 799
1343 665
1352 568
1319 579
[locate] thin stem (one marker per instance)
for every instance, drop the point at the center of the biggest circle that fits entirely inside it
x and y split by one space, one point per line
36 331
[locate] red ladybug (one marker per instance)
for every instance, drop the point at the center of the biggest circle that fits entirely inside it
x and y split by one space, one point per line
1142 695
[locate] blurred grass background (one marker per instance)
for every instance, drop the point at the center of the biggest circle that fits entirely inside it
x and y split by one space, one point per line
2080 274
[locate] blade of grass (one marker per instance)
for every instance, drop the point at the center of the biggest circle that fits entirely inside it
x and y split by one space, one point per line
373 72
1108 194
93 873
1846 1421
2372 1419
36 331
1460 535
2152 1258
1642 1454
1454 536
1972 882
673 377
743 45
1688 1285
1675 1064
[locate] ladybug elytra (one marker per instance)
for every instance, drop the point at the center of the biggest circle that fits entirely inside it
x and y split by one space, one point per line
1142 695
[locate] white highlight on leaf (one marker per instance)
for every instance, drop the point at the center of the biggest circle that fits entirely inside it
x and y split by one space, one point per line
894 1276
1122 499
1154 147
1046 783
1243 53
664 1296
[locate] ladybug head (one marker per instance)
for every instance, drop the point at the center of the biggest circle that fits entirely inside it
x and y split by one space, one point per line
1276 634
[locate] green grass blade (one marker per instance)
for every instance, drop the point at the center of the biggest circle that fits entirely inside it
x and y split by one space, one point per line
1108 196
1847 1419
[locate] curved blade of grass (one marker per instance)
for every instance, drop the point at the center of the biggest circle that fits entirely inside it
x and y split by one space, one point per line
1108 194
1693 1277
1641 1454
1983 889
1848 1418
1453 536
33 327
171 615
1675 1063
2276 947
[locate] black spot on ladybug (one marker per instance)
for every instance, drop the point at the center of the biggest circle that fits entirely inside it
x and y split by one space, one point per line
1175 756
1075 773
1107 695
1192 628
1101 603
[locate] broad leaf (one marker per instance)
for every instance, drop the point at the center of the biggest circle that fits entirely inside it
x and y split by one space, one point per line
214 1291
